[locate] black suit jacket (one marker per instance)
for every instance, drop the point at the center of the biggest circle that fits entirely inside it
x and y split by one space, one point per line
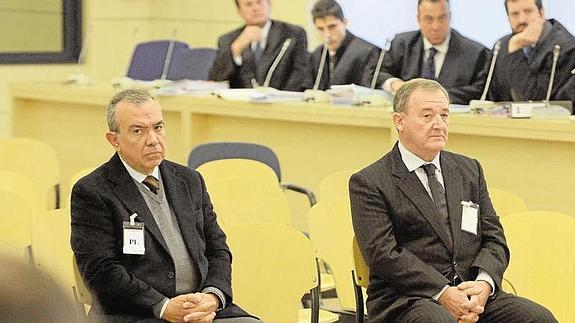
290 72
528 79
463 72
129 285
402 239
352 59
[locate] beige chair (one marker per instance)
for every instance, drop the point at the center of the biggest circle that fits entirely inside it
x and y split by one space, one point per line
24 187
83 294
51 247
76 177
542 265
336 184
16 224
505 202
260 252
361 280
37 160
331 234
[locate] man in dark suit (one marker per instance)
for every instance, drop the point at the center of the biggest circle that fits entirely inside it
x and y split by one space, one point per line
144 232
523 67
245 55
436 52
426 227
347 55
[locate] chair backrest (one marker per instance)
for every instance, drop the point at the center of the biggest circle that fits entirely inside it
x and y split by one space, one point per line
273 268
236 168
16 224
241 200
204 153
361 268
331 234
150 58
83 294
51 247
505 202
37 160
336 184
542 265
26 188
76 177
191 63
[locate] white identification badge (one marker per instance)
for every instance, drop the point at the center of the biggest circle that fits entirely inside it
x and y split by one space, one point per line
134 237
469 216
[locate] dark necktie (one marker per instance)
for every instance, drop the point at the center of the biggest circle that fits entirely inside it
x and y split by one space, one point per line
527 51
152 183
428 70
332 61
437 191
258 52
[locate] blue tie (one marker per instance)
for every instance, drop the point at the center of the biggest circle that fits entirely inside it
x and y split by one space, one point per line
258 52
527 51
428 70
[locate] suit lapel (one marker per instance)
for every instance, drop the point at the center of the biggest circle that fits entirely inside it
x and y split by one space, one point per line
127 192
453 191
411 186
178 194
451 59
413 70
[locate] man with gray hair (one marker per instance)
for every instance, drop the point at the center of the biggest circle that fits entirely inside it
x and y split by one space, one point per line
426 226
144 232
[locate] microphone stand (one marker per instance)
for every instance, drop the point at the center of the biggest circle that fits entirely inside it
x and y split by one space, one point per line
316 95
482 103
373 99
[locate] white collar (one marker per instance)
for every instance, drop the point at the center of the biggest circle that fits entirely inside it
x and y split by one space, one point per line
139 177
442 48
413 162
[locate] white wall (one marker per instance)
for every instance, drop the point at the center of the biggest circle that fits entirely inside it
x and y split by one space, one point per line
484 21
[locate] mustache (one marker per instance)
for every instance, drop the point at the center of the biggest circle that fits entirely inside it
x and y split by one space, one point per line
524 25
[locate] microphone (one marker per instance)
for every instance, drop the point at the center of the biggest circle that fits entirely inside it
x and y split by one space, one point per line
496 49
315 94
281 54
78 77
373 99
556 51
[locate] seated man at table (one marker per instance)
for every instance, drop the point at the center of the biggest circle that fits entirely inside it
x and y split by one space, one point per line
524 64
144 232
436 51
347 55
245 55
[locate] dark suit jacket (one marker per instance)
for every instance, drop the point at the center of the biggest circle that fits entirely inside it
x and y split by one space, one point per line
529 78
129 285
352 59
463 73
289 73
403 241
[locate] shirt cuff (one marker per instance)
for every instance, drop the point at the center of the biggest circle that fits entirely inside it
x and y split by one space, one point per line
438 295
387 84
483 275
238 60
160 308
218 293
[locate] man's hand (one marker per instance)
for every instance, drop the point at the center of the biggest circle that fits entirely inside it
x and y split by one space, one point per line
528 37
395 85
458 305
478 293
248 35
202 307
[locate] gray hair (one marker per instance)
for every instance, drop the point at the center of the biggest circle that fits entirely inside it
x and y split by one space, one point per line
134 96
406 90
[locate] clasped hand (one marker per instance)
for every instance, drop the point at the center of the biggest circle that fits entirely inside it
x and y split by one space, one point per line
466 301
197 308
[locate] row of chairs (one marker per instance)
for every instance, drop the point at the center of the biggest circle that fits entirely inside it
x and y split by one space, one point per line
170 60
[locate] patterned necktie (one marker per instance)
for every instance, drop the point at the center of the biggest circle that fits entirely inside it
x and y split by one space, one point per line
258 52
428 70
152 183
437 191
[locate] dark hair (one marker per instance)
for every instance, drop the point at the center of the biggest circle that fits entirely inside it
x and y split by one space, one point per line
538 3
420 1
326 8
